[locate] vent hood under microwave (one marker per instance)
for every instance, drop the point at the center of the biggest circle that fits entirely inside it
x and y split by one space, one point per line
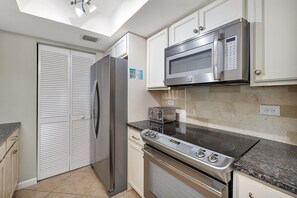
217 56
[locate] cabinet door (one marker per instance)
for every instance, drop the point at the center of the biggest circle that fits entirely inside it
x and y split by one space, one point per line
80 125
273 42
8 185
108 52
2 178
248 187
120 48
135 167
219 13
184 29
155 59
15 165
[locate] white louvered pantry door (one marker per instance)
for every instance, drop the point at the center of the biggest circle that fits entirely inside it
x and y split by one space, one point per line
53 111
80 136
64 136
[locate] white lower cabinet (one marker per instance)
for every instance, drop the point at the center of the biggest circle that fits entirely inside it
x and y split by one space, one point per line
135 161
2 178
248 187
8 174
9 168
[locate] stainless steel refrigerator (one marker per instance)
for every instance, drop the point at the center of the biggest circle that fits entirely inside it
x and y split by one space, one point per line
109 118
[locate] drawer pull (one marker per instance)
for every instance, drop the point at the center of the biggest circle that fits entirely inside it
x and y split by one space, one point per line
135 137
251 195
14 138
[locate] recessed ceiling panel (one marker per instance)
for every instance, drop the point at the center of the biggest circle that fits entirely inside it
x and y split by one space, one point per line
108 17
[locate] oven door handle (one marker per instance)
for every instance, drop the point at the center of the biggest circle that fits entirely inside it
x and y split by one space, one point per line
217 192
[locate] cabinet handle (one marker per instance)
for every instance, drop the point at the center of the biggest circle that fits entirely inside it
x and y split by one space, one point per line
257 72
201 28
195 31
251 195
135 137
83 117
14 138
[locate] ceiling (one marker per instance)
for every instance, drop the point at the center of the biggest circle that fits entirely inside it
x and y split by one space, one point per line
105 20
150 18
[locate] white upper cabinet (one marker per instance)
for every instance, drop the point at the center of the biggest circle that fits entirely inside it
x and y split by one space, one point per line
219 13
273 42
120 48
108 52
245 186
184 29
155 59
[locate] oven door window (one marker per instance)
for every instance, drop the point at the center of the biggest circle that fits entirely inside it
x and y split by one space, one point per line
192 62
163 185
166 177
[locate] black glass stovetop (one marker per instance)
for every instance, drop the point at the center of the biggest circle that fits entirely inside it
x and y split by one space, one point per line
224 142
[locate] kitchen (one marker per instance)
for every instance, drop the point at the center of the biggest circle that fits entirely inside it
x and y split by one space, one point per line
262 110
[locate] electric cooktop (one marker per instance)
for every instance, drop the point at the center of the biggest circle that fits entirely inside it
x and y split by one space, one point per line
224 142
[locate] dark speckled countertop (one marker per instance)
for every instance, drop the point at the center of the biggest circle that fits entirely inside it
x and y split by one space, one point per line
7 129
269 161
272 162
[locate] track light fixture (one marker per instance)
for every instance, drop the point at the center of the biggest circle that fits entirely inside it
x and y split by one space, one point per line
85 4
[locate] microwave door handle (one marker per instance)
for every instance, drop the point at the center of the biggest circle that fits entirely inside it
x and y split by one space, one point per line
216 74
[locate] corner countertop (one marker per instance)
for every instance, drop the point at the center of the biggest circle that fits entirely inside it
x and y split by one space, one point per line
7 129
272 162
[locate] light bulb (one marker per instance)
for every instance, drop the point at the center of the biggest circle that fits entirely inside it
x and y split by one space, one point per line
92 8
79 12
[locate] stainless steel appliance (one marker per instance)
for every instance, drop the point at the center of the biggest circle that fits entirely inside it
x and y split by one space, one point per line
162 114
109 118
221 55
196 162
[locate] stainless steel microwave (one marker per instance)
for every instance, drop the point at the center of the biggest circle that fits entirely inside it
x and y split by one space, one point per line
220 55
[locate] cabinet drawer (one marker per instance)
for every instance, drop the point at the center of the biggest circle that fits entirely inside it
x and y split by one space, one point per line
2 151
134 135
11 140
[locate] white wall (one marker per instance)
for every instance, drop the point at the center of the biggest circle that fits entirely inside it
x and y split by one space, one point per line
18 92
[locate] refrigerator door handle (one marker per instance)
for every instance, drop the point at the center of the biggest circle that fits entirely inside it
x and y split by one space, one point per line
98 110
95 118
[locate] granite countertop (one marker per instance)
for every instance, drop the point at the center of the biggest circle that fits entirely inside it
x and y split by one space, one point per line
269 161
272 162
7 129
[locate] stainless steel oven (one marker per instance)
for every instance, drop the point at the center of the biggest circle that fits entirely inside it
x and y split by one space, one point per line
167 177
221 55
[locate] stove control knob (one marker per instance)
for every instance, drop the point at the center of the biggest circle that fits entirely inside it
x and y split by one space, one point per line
200 153
213 158
147 133
153 135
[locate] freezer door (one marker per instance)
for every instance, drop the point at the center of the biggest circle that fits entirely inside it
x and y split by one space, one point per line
102 165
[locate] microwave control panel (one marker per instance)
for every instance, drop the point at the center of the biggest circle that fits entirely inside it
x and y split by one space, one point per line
231 53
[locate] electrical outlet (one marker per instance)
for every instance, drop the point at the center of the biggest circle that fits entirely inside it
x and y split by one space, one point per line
272 110
170 102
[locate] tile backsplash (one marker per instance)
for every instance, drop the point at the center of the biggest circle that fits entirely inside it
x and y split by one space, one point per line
237 109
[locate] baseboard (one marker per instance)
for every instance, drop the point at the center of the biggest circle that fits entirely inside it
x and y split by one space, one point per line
26 183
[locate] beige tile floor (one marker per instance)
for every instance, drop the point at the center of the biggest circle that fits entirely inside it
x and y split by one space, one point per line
81 183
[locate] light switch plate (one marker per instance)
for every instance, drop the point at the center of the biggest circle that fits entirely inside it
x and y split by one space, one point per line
272 110
170 102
